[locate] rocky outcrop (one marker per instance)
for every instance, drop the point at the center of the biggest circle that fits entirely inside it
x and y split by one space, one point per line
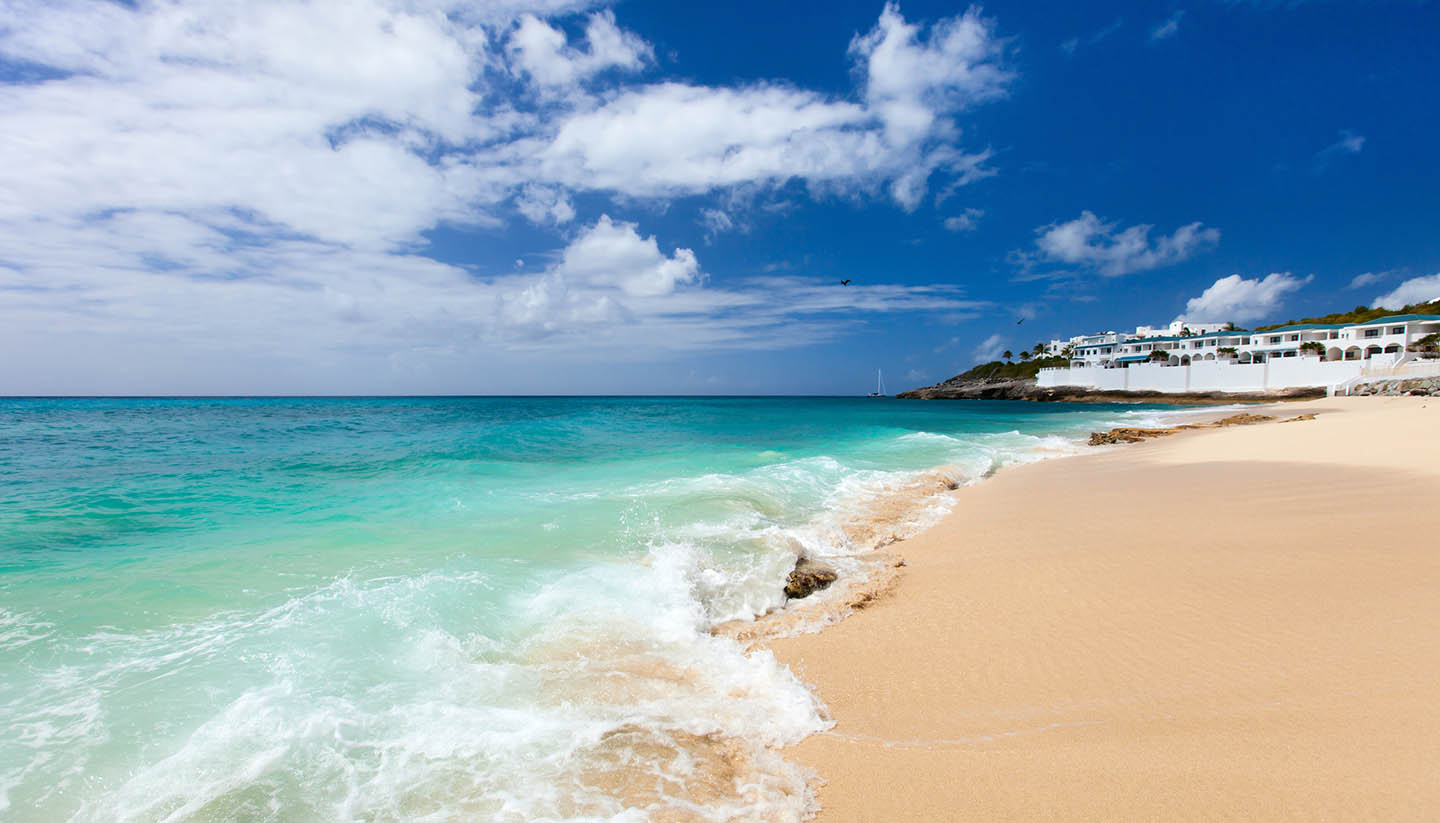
1419 386
808 576
1010 389
1131 435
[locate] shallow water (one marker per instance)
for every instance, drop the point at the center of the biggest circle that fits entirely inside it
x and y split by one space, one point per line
437 608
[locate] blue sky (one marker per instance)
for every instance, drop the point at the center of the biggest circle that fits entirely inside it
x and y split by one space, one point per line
545 196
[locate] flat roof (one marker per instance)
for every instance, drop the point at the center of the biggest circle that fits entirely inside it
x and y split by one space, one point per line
1398 318
1304 327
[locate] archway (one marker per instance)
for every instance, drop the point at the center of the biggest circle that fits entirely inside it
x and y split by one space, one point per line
1393 348
1185 361
1352 353
1371 352
1210 356
1334 354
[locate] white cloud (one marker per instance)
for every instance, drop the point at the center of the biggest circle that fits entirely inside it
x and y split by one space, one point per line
989 349
323 317
715 222
213 185
1236 299
1070 45
1360 281
968 221
670 139
1414 290
1091 242
1349 143
545 204
1167 29
614 254
540 51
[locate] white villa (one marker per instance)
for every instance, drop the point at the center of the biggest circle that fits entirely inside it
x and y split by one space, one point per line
1211 358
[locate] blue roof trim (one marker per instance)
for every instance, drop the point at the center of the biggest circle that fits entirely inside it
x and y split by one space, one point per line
1301 327
1399 318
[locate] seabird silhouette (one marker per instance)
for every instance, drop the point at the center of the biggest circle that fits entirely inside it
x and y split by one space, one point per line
844 282
1021 320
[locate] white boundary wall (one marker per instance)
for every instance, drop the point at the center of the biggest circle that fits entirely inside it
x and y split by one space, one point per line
1216 375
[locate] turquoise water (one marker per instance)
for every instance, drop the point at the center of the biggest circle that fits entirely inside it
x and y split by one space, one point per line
435 608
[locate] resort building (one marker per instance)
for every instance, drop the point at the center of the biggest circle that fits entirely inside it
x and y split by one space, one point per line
1317 354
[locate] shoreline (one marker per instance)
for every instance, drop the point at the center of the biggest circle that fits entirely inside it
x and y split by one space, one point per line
1060 688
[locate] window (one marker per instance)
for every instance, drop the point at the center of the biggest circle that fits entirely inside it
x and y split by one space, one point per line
1372 332
1275 339
1294 337
1397 329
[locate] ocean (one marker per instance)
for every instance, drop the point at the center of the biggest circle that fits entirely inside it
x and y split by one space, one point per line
433 609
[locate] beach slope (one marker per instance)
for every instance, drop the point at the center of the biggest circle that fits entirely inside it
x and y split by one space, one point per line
1231 624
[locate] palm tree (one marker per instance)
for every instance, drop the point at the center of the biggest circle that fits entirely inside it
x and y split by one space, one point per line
1039 349
1007 355
1024 355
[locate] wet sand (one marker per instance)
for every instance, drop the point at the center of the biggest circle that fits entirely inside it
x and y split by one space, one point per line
1229 624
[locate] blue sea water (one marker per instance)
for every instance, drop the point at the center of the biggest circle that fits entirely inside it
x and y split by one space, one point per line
397 609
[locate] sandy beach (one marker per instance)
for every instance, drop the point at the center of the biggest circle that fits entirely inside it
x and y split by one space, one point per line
1231 624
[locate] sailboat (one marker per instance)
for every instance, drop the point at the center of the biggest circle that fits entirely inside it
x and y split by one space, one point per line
879 386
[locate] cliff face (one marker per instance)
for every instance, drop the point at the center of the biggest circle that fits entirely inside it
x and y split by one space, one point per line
958 388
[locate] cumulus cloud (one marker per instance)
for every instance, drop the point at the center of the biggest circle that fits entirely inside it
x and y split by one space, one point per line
968 221
256 182
540 51
1414 290
989 349
669 139
614 254
1093 243
1169 28
1236 299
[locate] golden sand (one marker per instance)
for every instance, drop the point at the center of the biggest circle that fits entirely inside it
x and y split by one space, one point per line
1232 624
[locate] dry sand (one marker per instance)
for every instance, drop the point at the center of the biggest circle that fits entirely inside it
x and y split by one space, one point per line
1232 624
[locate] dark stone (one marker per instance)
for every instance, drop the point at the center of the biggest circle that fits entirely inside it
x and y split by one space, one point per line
808 576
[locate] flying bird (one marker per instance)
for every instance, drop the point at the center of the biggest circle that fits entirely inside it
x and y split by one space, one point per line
844 282
1021 320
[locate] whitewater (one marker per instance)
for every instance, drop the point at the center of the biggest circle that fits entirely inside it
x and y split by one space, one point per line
433 609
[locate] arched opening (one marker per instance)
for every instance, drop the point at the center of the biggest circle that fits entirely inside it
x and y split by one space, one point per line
1246 357
1352 353
1185 361
1371 352
1174 361
1210 356
1334 353
1393 348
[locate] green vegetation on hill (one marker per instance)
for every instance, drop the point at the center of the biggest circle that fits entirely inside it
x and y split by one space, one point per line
1027 369
1360 314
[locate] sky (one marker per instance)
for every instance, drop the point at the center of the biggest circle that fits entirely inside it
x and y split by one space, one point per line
562 197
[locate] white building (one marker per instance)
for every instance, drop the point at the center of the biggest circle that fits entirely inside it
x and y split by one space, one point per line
1177 328
1308 354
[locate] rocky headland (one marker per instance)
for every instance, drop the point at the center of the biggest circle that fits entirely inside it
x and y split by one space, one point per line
962 387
